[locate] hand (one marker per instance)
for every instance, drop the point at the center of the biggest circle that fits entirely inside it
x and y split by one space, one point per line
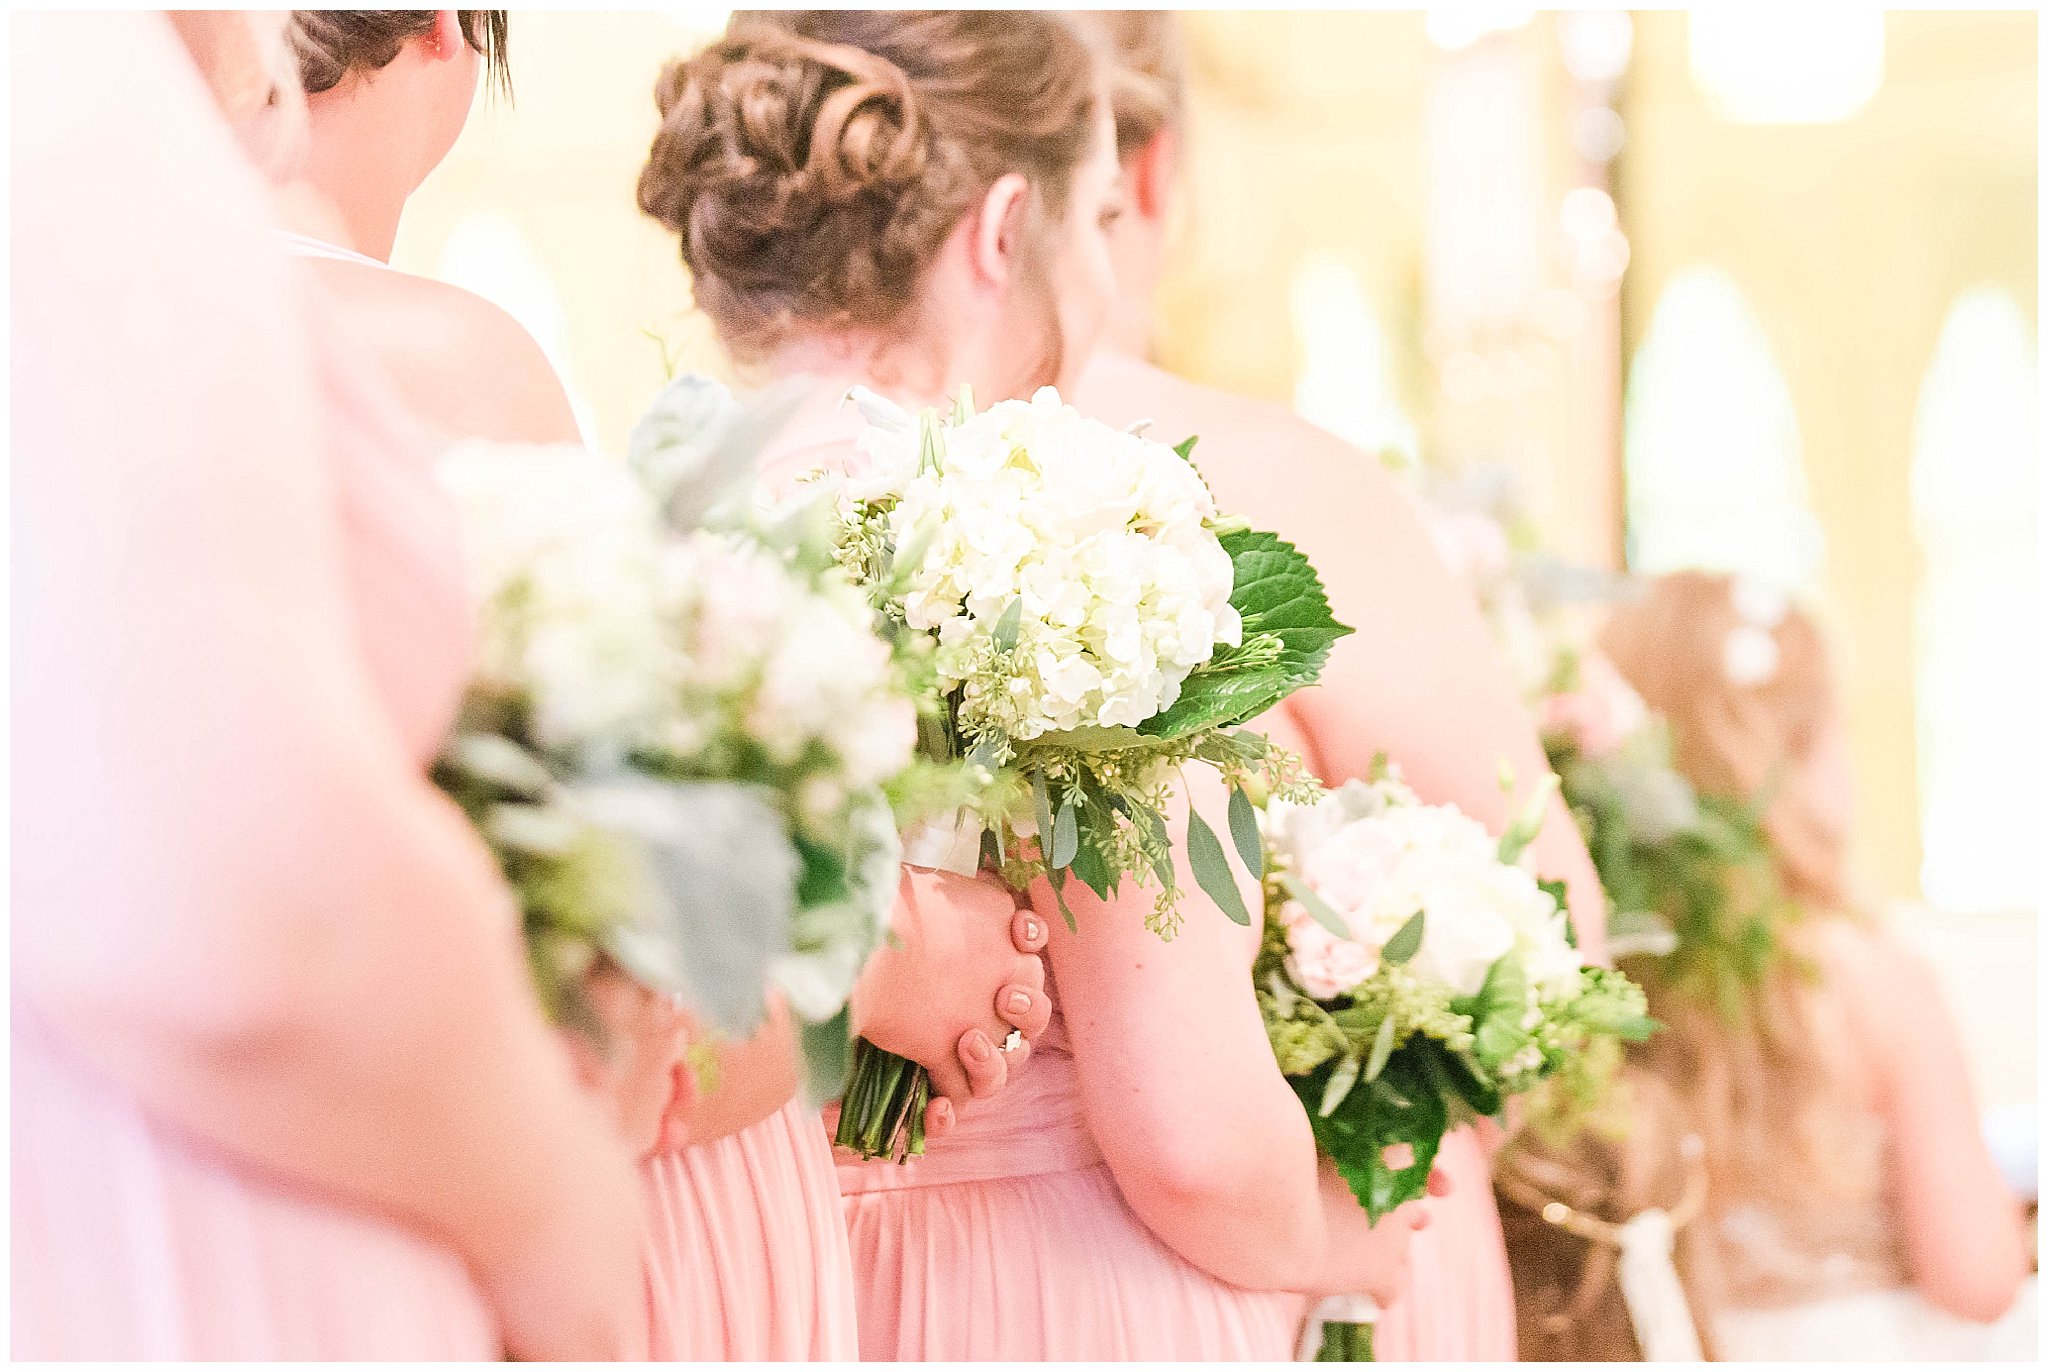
964 971
639 1073
1378 1264
576 1291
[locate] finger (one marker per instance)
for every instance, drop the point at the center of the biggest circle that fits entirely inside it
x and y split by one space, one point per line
938 1118
986 1070
951 1082
1440 1183
1028 931
1026 1010
1421 1220
1016 1057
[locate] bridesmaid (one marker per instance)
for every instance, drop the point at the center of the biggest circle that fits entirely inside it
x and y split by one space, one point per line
1448 710
910 200
746 1254
279 1087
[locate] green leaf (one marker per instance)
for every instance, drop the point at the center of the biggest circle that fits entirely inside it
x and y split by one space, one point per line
828 1055
1407 940
1318 908
1186 448
1342 1078
1382 1049
930 453
1066 839
1402 1105
1244 832
1007 627
963 404
1041 807
1212 869
1276 591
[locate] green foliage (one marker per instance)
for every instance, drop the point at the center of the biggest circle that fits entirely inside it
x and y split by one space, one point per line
1288 630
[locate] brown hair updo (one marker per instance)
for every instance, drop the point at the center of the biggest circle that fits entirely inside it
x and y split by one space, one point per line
333 43
812 162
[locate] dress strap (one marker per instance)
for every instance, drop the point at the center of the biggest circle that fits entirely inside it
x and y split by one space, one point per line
303 245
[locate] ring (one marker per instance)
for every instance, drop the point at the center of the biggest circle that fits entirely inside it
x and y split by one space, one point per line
1016 1037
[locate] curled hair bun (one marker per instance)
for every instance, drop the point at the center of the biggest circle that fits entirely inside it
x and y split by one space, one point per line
812 163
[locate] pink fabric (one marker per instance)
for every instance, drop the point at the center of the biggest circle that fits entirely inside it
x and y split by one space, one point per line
132 1241
1010 1240
1460 1306
746 1256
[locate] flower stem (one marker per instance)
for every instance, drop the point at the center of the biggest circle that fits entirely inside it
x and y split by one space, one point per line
1344 1341
881 1114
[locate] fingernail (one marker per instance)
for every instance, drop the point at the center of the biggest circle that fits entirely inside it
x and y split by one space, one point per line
1018 1003
979 1048
942 1114
1031 931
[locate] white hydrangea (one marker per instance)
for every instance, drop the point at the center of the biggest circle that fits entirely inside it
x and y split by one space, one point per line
794 668
562 548
1376 856
1103 536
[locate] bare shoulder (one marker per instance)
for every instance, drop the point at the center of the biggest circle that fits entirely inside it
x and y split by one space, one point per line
1245 446
464 365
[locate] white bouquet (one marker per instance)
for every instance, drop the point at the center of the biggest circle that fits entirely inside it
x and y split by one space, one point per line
682 745
1093 624
1414 975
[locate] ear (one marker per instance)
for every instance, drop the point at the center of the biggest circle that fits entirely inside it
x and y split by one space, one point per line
998 228
446 41
1149 174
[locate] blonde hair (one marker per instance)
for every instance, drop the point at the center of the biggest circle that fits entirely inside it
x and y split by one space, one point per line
1734 736
1148 71
1765 1090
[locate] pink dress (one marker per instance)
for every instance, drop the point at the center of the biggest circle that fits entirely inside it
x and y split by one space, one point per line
132 1240
1009 1240
746 1256
1460 1305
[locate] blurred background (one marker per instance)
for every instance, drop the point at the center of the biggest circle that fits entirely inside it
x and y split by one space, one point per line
1751 289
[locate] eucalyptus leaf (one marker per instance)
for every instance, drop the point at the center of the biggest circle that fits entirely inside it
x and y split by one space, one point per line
1041 809
1382 1049
1212 869
1244 832
1407 940
1065 834
1008 626
1186 447
1342 1078
1319 909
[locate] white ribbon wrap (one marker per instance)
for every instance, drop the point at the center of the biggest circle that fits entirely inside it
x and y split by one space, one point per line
946 844
1650 1285
1355 1308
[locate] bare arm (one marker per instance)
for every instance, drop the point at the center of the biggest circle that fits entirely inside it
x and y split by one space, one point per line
1206 1140
235 894
1959 1219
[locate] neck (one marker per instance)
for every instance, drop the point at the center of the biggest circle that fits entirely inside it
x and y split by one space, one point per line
362 164
907 372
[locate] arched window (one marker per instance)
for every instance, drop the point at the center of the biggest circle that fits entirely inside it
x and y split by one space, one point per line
1347 381
1977 670
486 253
1711 443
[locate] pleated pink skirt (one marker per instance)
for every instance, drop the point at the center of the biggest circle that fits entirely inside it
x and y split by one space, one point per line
746 1256
132 1242
1460 1305
1011 1241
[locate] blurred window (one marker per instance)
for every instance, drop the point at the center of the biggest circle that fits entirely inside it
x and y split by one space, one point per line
1346 383
1978 688
1711 443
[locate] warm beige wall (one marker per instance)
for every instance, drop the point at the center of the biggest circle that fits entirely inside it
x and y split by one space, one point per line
1850 241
